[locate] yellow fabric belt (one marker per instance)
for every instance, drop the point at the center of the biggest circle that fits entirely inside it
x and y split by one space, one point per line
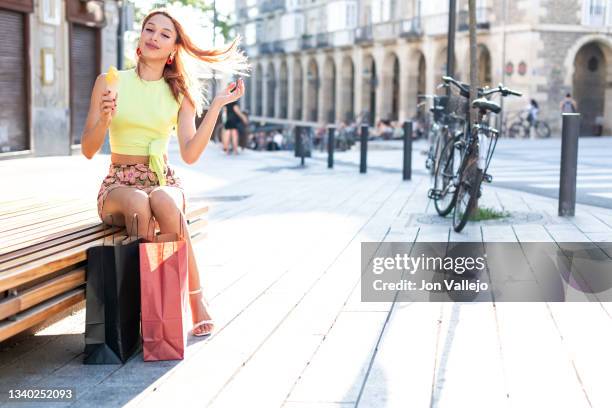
156 159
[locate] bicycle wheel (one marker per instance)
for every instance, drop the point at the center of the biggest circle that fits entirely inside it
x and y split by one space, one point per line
467 192
518 131
542 130
450 158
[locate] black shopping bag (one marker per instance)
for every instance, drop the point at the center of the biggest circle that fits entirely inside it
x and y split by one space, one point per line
112 315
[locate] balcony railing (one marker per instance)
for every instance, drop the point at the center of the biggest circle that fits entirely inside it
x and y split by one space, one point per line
323 40
411 28
308 42
363 34
266 48
268 6
388 30
342 38
278 46
483 15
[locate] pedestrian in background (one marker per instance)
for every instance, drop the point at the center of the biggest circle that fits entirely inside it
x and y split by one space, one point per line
233 119
568 104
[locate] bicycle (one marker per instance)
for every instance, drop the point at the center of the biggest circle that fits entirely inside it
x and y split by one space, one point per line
520 128
464 163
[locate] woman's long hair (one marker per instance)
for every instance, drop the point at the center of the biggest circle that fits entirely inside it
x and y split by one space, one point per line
190 61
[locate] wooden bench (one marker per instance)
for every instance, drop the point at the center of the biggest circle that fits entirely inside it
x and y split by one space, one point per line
43 257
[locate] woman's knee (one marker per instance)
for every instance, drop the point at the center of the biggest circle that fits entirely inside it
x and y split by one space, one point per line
165 207
137 212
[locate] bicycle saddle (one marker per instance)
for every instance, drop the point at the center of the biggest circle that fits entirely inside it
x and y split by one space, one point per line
486 105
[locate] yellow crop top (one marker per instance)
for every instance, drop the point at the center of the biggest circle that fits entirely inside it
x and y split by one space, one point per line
146 117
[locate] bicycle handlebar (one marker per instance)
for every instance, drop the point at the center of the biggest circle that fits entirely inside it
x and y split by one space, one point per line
465 88
502 90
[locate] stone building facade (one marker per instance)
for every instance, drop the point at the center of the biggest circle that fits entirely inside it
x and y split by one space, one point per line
331 60
50 55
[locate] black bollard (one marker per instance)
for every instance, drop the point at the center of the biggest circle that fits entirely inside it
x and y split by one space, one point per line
364 149
569 164
331 144
407 173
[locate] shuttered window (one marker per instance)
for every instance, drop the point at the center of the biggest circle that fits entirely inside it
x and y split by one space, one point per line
83 71
13 76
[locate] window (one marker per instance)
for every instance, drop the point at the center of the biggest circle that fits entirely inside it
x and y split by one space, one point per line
596 13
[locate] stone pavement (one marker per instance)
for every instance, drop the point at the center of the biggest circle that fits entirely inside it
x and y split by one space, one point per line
281 270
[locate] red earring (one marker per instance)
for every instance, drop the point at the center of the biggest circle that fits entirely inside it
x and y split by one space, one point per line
169 61
138 52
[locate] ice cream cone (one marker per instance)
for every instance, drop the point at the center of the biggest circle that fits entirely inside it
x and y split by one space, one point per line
112 81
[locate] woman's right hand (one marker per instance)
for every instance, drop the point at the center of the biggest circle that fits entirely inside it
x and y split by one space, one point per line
108 107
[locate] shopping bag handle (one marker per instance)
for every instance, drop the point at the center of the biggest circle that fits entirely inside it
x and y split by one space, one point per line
104 229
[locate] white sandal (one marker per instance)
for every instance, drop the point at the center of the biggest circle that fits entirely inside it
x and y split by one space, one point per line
198 324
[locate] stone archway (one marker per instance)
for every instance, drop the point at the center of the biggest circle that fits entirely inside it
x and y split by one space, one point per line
246 100
348 89
297 90
391 87
589 85
314 83
329 91
369 85
284 91
270 90
259 81
440 68
485 77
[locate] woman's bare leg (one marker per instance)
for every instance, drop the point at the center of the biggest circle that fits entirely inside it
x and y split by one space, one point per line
129 207
234 135
225 139
166 204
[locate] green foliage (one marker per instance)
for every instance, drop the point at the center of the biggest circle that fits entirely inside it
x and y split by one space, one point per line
486 213
224 26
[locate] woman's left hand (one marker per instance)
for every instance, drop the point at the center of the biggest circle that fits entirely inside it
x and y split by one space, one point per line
232 93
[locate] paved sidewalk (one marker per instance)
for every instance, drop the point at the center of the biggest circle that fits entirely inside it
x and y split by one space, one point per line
281 270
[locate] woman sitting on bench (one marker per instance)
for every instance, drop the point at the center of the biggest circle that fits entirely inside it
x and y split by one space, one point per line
152 101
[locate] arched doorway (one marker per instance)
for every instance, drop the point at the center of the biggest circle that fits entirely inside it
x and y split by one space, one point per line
391 73
420 110
313 90
422 76
369 85
589 83
284 91
248 92
441 64
259 90
329 90
297 90
270 90
348 89
484 66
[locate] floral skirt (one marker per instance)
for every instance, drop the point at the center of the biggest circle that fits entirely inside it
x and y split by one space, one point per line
140 176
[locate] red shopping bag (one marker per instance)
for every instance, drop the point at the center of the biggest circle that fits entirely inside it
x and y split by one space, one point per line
164 297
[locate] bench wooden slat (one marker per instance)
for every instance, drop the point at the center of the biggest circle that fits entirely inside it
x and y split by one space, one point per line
40 313
56 251
17 272
43 206
43 217
18 242
42 292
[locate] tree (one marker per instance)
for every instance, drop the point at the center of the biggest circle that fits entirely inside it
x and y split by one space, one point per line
223 21
473 70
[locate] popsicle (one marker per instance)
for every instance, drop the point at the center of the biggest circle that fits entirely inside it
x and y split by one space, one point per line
112 80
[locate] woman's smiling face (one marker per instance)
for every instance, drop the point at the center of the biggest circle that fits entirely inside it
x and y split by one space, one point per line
158 38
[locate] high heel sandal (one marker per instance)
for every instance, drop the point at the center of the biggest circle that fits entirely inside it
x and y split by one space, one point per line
198 324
